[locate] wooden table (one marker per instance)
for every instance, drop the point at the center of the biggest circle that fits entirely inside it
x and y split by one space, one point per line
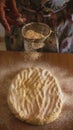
61 65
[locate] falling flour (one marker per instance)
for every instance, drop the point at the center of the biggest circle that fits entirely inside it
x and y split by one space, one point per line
32 56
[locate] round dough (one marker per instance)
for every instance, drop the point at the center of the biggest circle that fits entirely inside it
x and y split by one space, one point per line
35 96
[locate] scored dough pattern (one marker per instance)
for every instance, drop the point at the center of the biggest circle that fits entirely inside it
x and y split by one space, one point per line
34 93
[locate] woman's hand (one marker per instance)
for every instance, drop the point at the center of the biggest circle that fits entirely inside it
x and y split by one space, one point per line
9 14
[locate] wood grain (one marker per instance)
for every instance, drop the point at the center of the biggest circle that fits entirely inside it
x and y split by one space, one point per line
62 66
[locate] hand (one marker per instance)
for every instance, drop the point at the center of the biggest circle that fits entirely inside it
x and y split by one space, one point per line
9 14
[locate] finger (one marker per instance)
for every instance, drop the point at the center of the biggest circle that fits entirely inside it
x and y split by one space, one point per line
3 19
12 18
21 20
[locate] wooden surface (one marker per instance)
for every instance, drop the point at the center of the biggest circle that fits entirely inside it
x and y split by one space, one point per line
61 65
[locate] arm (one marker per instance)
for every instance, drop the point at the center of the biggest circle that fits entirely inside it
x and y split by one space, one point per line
9 14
